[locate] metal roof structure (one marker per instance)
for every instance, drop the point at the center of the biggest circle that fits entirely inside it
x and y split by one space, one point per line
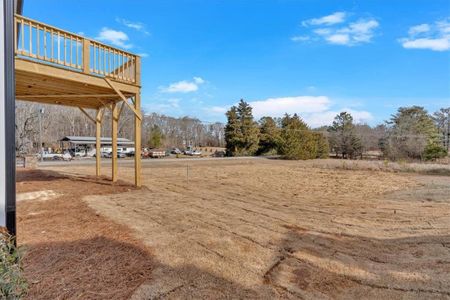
91 140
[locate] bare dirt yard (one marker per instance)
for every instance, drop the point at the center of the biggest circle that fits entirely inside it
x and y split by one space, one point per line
254 228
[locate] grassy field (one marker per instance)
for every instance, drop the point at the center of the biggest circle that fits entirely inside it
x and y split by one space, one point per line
241 229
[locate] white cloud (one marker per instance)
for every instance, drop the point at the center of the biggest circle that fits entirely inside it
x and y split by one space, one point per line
166 106
327 117
442 44
143 54
300 38
315 110
335 18
174 102
335 29
361 31
115 37
419 29
215 110
198 80
277 107
434 37
138 26
339 39
183 86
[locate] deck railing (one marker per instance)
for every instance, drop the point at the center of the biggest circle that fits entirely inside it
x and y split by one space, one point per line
45 43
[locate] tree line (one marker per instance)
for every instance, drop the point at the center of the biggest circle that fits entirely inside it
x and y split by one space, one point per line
411 133
157 130
289 136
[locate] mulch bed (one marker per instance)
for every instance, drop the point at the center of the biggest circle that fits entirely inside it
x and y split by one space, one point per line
69 250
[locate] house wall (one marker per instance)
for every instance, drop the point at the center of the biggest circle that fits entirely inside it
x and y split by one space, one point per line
7 118
2 120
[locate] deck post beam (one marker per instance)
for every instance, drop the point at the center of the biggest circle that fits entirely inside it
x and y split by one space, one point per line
98 135
114 127
121 109
105 104
86 56
86 114
136 112
137 143
137 126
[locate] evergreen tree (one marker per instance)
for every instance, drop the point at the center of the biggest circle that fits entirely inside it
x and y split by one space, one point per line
343 139
442 121
241 131
323 147
249 129
413 134
297 141
156 137
233 134
269 137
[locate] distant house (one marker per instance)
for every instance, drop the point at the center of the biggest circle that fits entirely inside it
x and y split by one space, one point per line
86 144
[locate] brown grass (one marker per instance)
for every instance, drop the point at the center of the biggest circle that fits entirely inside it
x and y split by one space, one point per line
282 229
72 253
275 229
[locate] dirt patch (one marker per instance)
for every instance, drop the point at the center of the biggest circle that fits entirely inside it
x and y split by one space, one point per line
70 251
281 229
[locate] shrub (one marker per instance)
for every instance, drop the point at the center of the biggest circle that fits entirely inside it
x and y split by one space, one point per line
12 283
434 151
323 147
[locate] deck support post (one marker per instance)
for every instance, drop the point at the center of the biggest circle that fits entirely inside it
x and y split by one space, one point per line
98 135
114 126
137 142
86 56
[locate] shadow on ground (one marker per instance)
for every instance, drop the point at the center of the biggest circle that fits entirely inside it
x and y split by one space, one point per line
72 252
312 264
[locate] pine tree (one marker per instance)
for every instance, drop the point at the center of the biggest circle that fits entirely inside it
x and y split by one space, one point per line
233 134
323 147
343 139
297 141
413 133
249 129
156 137
269 137
241 131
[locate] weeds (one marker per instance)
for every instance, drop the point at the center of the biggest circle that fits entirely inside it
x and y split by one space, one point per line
12 282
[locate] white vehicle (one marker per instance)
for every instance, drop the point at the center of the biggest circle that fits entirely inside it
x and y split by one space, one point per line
125 150
51 156
80 153
192 152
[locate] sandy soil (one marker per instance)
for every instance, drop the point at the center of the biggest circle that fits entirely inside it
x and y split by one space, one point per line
278 229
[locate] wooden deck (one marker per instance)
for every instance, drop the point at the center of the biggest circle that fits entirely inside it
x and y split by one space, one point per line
54 66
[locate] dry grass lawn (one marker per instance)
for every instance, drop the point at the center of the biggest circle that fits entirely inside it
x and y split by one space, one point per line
277 229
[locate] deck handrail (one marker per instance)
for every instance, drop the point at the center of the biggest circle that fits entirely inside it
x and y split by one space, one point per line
45 43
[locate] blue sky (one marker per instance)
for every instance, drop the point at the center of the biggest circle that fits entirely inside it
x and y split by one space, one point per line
312 57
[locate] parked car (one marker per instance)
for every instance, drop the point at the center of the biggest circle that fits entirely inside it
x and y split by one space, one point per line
119 155
176 151
102 154
50 156
219 154
193 152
